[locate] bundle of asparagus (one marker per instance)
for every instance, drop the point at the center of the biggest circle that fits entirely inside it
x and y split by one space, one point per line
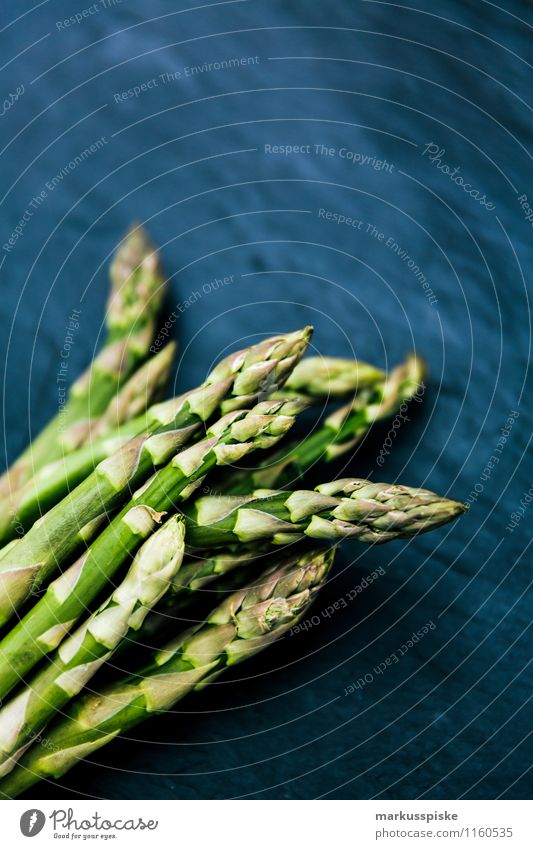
112 495
244 624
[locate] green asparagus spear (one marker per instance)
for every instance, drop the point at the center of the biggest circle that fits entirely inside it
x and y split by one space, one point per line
80 656
247 622
343 509
225 570
75 520
144 388
52 482
42 629
332 377
136 279
137 291
339 433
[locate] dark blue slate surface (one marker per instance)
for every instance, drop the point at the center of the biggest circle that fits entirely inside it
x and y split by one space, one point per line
187 157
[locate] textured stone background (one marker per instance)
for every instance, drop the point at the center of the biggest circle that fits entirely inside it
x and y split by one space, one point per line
187 157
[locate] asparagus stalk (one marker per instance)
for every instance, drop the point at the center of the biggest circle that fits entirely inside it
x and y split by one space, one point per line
44 626
332 377
80 656
52 482
217 575
136 294
136 279
342 509
247 622
199 572
76 519
141 390
339 433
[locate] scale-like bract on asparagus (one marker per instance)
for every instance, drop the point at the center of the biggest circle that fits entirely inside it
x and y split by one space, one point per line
349 508
233 437
137 291
81 655
75 520
247 622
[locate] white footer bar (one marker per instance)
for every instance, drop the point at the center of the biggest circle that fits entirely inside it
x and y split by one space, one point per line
267 824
